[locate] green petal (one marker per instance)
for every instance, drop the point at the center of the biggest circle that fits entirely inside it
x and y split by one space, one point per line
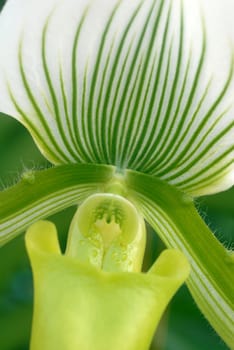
173 215
40 194
145 85
77 306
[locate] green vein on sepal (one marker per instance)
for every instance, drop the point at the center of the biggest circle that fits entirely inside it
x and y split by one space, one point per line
203 125
66 106
161 139
92 129
32 128
82 142
165 151
98 121
36 107
139 86
106 137
155 77
129 88
53 95
42 193
173 215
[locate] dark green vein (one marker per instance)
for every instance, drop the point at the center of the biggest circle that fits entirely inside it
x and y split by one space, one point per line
33 129
189 126
53 93
36 107
196 133
133 67
201 154
93 135
145 162
65 106
143 127
203 171
82 146
107 119
194 87
146 66
163 134
98 120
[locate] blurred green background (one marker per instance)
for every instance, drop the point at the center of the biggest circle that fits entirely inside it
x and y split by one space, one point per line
182 328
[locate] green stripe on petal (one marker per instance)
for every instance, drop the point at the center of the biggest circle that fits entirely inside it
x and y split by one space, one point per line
144 85
40 194
173 215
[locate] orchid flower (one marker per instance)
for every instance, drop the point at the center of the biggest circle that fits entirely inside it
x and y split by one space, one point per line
128 97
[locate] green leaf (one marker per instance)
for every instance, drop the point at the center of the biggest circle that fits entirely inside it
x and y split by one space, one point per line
43 193
139 85
173 215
